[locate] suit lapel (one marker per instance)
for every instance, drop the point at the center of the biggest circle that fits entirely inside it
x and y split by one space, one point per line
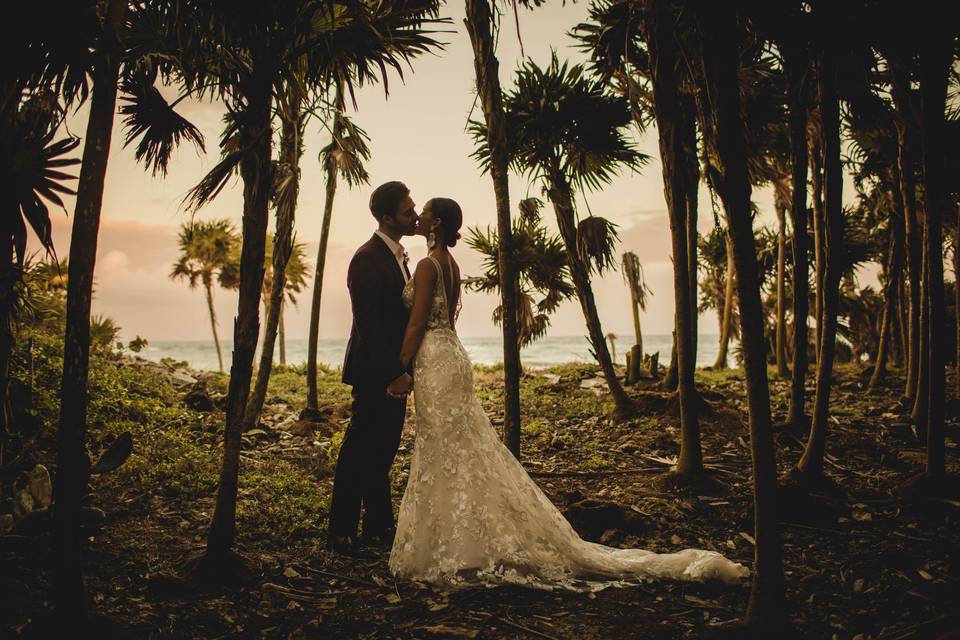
391 261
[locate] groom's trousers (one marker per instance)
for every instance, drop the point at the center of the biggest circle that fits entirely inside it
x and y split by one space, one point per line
363 465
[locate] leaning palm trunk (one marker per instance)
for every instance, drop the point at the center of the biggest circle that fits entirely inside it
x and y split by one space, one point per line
208 288
330 171
781 203
935 63
816 180
480 24
810 467
282 248
726 320
282 335
676 157
919 412
798 218
73 465
254 171
692 184
766 608
562 199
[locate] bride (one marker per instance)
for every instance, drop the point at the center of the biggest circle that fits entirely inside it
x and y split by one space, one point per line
470 514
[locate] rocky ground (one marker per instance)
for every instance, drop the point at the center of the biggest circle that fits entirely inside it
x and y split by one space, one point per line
861 562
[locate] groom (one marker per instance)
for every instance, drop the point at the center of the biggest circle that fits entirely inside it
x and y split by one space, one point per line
376 277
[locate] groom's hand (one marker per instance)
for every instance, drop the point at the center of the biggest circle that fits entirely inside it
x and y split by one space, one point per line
400 387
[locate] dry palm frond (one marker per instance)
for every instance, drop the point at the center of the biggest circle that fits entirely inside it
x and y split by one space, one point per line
596 241
635 279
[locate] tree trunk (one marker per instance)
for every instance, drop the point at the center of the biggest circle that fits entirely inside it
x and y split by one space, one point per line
254 171
890 288
480 24
766 608
561 197
816 178
919 412
900 91
936 54
282 248
282 335
313 339
208 288
8 278
796 70
782 202
692 185
810 467
73 465
726 322
956 291
673 128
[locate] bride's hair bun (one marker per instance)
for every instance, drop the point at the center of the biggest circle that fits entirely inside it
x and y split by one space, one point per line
448 212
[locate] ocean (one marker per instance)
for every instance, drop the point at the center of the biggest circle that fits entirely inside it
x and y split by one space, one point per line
546 352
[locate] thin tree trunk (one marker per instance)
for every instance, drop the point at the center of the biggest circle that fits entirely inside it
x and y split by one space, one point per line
480 24
282 336
956 291
73 465
692 184
562 199
890 289
782 202
254 169
919 412
290 148
810 466
726 321
673 128
796 70
936 53
766 608
8 277
208 288
816 173
913 241
330 171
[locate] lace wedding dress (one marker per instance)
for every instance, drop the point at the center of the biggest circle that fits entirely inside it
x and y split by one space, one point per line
471 515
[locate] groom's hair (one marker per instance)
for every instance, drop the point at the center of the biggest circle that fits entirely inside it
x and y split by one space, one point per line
386 198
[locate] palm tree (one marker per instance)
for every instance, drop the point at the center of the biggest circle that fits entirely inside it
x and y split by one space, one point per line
290 283
206 251
717 287
566 131
720 40
344 156
636 282
659 23
542 270
32 162
481 25
249 54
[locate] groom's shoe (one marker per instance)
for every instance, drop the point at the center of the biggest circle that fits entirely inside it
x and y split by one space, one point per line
381 540
345 546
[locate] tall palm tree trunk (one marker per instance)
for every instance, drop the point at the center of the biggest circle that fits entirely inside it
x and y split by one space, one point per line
330 171
673 124
282 335
810 466
819 268
208 289
726 320
290 148
890 289
73 465
480 25
936 55
919 412
766 608
781 338
254 170
796 70
8 277
692 184
561 197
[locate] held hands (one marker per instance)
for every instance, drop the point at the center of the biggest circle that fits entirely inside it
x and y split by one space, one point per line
400 387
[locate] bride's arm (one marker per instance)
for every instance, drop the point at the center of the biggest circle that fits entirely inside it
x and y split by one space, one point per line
424 282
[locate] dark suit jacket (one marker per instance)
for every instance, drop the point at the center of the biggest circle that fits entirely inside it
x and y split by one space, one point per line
375 281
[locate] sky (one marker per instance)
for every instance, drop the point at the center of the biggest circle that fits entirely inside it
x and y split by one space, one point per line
418 135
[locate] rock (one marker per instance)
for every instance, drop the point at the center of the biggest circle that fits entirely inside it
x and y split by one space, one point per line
91 517
198 399
40 487
22 503
6 522
181 379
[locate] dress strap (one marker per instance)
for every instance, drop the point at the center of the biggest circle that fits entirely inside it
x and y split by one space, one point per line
443 286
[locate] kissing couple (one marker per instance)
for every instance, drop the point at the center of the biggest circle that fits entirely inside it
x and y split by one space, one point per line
470 514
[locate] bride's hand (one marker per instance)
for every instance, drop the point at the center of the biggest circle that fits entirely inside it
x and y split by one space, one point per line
400 387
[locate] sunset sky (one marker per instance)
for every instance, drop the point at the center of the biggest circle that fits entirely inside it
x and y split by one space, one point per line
418 136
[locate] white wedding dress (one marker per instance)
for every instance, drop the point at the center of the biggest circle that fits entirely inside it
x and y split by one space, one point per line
471 515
